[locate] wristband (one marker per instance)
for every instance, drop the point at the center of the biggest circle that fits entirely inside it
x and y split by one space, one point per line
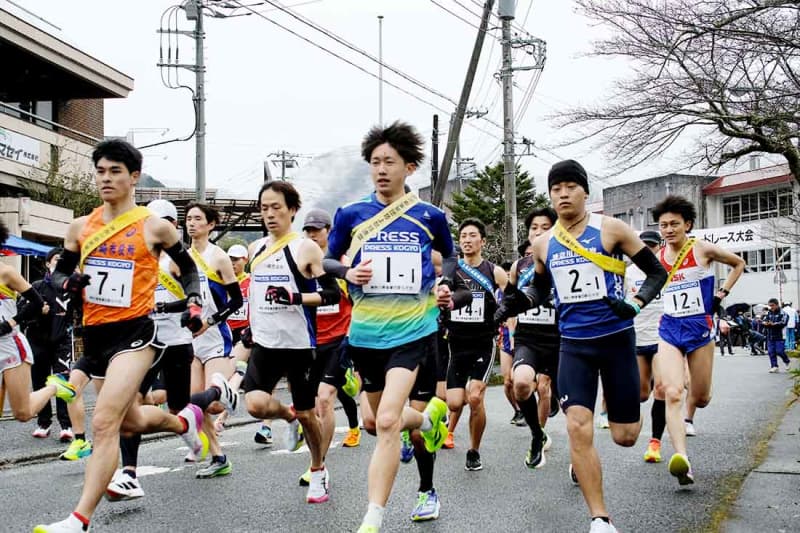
634 305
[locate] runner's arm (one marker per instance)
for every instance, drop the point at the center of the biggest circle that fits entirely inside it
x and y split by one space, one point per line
716 253
71 256
32 307
328 293
190 279
631 245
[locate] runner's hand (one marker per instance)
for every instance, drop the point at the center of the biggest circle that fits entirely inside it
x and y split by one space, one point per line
192 317
75 283
444 297
281 295
246 337
5 327
715 307
360 274
622 308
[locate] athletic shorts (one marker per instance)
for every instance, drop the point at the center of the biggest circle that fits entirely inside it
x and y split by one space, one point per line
102 343
470 359
373 364
687 334
613 357
442 355
268 365
14 350
173 373
647 351
504 341
541 357
332 360
214 343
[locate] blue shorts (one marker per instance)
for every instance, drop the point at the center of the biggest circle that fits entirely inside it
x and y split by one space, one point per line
504 341
688 333
647 351
613 358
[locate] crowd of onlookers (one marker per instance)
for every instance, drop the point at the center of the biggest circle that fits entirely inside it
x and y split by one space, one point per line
766 330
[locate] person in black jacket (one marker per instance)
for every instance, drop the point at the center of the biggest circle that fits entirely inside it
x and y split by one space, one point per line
774 322
50 338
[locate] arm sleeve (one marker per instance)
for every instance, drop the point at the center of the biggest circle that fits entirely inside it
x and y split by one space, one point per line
339 236
329 289
334 267
656 275
442 240
32 308
190 279
235 301
65 267
462 296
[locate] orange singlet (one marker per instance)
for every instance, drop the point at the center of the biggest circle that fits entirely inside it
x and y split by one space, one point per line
124 274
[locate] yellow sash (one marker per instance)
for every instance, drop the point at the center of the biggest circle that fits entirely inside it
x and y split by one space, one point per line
609 264
171 284
8 291
276 247
210 274
387 215
112 228
679 259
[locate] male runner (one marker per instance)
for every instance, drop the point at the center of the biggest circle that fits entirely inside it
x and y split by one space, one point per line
287 284
116 248
536 345
471 336
389 237
581 257
687 327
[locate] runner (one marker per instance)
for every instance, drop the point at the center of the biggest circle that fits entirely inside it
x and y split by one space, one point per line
116 248
596 323
536 345
471 336
687 327
389 237
285 271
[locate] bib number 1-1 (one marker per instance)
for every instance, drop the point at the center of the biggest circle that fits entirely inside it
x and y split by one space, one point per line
396 268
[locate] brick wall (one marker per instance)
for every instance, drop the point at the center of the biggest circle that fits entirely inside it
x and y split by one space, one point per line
83 115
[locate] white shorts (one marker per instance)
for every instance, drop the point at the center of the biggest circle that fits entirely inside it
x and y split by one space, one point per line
14 350
213 343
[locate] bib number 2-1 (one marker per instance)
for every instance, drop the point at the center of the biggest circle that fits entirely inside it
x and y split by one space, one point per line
581 282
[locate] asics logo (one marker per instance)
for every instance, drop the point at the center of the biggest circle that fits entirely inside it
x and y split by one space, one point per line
563 399
136 344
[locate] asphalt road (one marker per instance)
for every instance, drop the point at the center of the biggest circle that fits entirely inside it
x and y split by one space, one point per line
262 494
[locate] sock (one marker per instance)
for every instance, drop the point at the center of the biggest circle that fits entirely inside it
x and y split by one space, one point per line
218 459
425 461
374 516
530 411
82 519
350 409
129 446
427 424
81 436
688 420
658 414
603 518
204 399
320 469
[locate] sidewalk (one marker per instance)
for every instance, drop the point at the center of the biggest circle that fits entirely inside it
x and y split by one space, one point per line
769 499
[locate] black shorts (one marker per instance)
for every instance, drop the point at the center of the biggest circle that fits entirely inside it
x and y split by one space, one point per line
332 362
104 342
442 355
173 373
268 365
647 351
541 357
470 359
613 357
373 364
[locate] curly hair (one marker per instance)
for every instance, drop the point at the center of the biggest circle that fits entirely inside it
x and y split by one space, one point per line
401 136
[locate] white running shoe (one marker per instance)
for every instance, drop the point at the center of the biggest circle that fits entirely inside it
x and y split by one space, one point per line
41 433
227 396
601 526
124 487
294 435
690 431
66 435
318 488
194 421
69 525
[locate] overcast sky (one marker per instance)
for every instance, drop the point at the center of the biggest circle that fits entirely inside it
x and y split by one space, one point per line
267 90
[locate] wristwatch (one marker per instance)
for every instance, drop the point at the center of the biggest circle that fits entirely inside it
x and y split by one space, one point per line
724 291
210 321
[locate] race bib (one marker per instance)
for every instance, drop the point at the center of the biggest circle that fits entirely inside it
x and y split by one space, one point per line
683 299
538 315
111 281
396 267
328 309
473 312
581 282
241 313
260 302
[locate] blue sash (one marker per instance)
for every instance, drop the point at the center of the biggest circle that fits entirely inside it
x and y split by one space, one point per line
477 275
526 276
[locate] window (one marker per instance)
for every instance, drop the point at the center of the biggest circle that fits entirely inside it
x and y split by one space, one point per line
649 218
622 216
764 260
757 206
43 109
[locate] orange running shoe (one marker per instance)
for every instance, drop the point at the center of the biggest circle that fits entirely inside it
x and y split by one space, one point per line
653 453
352 439
449 442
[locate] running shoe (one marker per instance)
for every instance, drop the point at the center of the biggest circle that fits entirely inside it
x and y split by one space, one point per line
773 370
263 435
601 526
227 396
427 507
788 363
64 389
436 412
66 435
514 418
572 476
450 441
352 439
653 453
318 488
406 447
78 449
690 430
366 528
193 416
546 441
294 435
41 433
519 420
215 469
680 467
69 525
305 478
535 456
191 457
473 461
602 420
124 487
351 385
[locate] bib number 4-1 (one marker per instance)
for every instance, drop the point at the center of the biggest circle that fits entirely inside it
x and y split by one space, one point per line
472 312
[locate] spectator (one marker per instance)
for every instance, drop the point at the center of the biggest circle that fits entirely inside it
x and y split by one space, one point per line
724 330
752 337
50 338
774 322
791 325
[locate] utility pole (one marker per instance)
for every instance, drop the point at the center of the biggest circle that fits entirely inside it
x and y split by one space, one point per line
286 160
455 125
200 104
506 11
434 153
380 70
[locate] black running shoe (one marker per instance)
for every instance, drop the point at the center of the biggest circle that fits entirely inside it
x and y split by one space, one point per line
554 407
473 461
519 419
535 457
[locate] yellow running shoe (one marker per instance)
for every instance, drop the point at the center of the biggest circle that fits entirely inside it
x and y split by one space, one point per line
368 529
204 449
653 453
305 478
64 389
352 439
436 412
78 449
680 467
351 385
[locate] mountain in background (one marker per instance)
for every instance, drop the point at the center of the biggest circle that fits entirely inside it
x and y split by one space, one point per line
146 180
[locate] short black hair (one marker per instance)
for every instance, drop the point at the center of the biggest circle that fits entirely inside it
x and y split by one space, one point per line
211 213
678 205
290 194
3 233
773 301
118 151
523 247
401 136
53 252
548 212
506 266
472 221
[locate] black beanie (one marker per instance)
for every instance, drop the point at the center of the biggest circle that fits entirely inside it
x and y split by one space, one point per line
569 170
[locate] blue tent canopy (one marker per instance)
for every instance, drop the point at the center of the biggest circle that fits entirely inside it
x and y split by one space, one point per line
25 247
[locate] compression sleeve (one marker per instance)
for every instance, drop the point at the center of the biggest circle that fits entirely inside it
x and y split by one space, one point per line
449 265
461 296
65 267
656 275
329 289
333 266
190 279
32 307
235 301
539 290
